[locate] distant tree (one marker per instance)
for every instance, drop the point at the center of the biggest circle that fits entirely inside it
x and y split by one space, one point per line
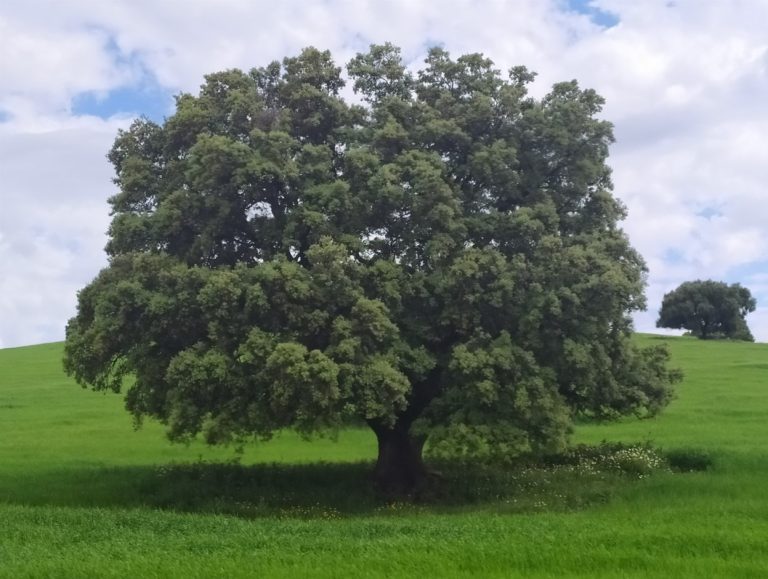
443 261
708 309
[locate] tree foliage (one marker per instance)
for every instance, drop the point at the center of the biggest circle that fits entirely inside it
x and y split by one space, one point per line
708 309
442 261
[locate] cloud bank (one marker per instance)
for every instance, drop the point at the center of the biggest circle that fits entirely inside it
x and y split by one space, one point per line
685 84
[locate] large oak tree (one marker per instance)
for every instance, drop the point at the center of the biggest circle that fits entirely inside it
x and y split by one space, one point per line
442 260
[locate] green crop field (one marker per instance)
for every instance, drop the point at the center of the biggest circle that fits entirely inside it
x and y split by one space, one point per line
83 494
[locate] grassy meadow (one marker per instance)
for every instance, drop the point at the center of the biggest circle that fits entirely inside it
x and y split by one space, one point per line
84 494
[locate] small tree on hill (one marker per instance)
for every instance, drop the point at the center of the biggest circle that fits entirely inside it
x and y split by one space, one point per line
708 309
442 262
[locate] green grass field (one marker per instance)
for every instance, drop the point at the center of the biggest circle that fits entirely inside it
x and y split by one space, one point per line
82 494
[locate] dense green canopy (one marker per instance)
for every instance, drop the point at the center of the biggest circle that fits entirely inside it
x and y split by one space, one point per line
443 260
708 309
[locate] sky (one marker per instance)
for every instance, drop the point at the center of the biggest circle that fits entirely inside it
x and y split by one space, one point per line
686 84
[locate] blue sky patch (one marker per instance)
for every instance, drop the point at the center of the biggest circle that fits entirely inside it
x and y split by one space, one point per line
674 256
144 98
599 17
709 213
151 101
4 116
743 273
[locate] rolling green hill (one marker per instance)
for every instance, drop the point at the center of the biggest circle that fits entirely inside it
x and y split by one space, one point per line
83 494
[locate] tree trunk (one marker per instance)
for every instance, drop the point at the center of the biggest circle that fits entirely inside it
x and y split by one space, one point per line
399 469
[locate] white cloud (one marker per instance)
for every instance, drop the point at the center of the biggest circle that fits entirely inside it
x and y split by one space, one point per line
54 183
44 67
685 81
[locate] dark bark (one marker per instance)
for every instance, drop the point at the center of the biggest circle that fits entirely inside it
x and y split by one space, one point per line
399 470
